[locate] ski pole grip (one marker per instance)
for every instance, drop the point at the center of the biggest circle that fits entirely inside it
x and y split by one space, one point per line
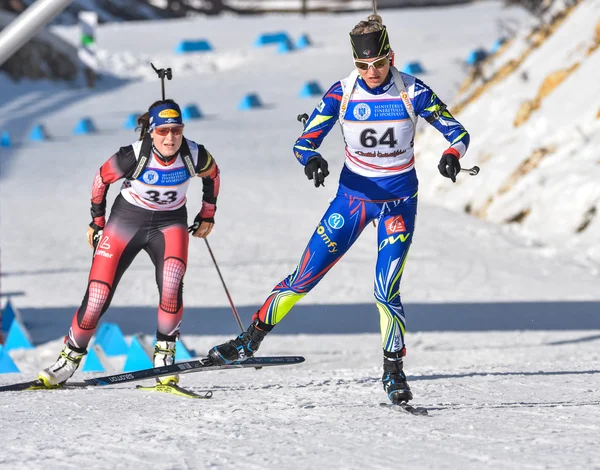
302 118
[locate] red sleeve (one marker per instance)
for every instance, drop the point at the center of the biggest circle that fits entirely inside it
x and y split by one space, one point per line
120 165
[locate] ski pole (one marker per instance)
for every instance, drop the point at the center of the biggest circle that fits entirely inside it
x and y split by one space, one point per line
303 118
472 171
374 2
235 312
162 74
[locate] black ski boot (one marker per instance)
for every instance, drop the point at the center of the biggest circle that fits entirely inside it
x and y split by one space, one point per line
394 381
242 347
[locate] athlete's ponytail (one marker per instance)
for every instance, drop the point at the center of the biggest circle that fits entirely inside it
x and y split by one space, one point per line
375 18
144 120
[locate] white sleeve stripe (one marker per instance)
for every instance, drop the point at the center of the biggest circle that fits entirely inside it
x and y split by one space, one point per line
460 147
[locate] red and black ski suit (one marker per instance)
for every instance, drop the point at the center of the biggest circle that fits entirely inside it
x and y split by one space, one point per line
149 214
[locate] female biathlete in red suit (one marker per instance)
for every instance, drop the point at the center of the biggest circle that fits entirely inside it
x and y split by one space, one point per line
149 214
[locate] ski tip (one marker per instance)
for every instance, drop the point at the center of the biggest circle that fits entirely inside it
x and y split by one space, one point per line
405 407
258 361
31 385
297 359
174 389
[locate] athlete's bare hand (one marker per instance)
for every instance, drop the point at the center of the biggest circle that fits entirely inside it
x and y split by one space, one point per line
202 226
90 237
93 236
204 230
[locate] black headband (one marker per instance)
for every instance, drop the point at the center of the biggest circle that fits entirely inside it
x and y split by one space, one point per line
369 45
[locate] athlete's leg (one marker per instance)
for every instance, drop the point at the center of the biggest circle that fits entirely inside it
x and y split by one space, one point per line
115 252
394 235
338 229
168 250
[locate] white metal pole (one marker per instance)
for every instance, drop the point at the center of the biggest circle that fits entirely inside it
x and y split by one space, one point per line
27 24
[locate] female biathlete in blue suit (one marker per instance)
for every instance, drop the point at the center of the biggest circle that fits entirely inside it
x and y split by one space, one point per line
377 107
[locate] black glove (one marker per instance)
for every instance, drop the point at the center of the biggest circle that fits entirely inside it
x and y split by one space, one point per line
97 234
316 169
449 166
198 221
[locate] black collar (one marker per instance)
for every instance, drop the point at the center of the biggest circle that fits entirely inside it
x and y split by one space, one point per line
162 158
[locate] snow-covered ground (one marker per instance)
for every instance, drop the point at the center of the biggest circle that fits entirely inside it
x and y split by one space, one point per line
497 399
512 400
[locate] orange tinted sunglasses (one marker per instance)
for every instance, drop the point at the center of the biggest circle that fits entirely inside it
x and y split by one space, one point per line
164 131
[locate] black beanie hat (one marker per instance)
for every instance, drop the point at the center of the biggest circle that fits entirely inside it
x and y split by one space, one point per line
370 45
